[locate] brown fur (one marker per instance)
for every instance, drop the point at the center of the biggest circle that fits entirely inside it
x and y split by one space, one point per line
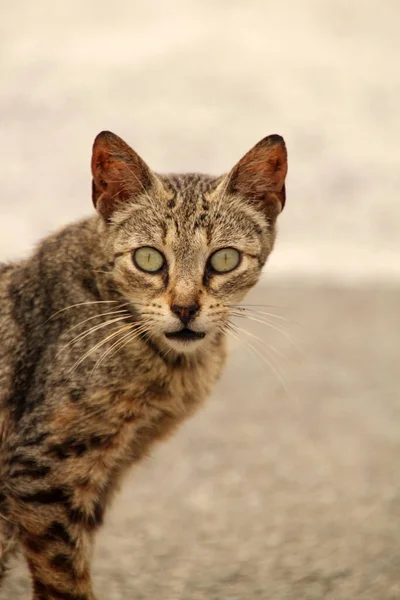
89 380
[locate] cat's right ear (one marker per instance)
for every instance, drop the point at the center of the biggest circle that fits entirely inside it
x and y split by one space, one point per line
118 173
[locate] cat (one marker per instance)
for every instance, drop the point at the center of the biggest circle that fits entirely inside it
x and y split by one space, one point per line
112 333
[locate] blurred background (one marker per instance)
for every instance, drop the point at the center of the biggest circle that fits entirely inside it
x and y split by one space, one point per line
286 485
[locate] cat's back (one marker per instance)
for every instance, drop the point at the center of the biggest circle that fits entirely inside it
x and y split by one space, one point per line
6 272
8 327
8 337
32 290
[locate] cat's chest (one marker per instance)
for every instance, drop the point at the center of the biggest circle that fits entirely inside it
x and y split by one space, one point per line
100 429
110 427
152 407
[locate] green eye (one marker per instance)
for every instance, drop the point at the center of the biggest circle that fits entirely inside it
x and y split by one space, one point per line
148 259
225 260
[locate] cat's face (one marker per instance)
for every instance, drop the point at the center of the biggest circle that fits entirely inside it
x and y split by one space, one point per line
186 249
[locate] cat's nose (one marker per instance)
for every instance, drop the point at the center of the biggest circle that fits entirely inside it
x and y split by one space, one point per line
186 313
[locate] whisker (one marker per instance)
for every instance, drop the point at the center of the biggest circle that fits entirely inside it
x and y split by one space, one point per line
120 344
263 343
267 314
129 303
230 331
131 335
259 312
97 346
114 312
82 304
272 326
166 352
84 334
277 372
263 305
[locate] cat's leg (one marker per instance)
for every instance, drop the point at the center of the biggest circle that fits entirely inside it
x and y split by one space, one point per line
8 544
60 567
58 552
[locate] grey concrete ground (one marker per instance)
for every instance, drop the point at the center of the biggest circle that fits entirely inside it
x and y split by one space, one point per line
269 493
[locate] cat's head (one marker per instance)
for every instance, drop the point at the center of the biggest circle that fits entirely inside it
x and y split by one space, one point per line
185 249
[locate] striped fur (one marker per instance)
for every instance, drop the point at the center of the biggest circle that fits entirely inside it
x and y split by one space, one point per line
88 379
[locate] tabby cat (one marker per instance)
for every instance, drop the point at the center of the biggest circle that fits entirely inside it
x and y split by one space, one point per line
112 333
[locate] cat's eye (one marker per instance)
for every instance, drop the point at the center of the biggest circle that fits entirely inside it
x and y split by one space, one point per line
225 260
148 259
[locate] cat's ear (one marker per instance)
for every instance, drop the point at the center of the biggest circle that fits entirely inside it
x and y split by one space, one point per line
259 176
118 173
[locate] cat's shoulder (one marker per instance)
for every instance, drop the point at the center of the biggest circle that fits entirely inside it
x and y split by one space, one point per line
5 268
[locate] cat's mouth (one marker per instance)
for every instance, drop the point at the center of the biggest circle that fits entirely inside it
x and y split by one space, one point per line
185 335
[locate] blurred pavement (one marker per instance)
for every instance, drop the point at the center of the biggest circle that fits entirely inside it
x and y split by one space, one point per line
270 494
194 85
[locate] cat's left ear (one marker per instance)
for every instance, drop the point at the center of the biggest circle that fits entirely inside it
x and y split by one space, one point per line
118 173
259 176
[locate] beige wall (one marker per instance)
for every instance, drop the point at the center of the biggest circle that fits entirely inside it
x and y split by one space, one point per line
192 85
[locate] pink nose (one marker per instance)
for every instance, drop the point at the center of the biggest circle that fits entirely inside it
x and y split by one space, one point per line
185 313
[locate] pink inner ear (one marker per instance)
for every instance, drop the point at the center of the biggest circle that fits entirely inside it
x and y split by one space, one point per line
109 181
263 167
260 174
118 173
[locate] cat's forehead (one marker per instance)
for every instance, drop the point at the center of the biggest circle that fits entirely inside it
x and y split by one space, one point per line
190 213
190 201
190 183
198 209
